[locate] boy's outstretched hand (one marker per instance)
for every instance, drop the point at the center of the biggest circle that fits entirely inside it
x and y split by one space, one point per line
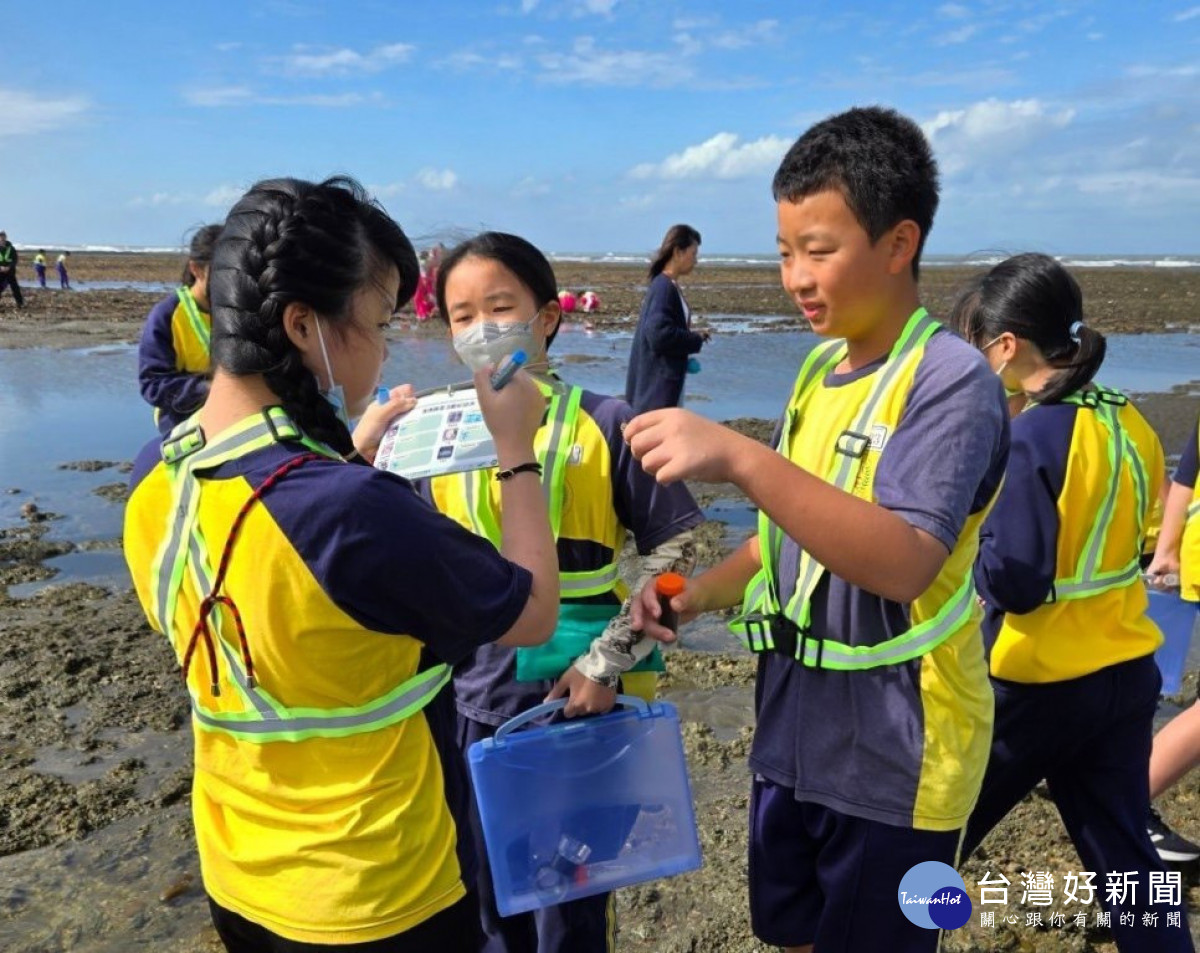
675 444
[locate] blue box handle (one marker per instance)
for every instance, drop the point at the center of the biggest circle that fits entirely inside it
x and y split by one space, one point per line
629 701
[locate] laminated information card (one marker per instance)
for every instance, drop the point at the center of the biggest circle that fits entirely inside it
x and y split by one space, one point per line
444 433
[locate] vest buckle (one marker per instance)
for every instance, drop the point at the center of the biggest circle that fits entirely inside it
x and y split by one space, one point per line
850 443
182 444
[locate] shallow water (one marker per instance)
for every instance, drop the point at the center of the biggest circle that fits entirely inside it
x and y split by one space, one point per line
60 406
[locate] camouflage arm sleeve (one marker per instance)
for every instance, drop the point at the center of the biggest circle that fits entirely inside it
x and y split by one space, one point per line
618 648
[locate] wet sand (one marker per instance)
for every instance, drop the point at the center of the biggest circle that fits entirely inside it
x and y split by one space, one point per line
1117 299
94 727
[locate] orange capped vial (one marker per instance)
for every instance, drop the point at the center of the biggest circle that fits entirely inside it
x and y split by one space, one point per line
667 585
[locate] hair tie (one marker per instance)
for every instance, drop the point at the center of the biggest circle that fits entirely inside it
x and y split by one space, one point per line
1074 331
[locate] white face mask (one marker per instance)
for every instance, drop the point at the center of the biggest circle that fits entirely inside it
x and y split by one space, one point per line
335 394
1008 391
489 342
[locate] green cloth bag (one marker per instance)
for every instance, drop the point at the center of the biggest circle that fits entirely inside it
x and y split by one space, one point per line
579 623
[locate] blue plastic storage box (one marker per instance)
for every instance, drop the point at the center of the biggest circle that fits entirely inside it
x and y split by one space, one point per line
1176 618
584 806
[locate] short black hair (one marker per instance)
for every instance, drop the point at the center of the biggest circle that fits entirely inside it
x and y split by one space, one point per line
879 160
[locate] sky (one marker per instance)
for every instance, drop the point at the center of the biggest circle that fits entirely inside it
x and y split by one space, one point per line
1070 127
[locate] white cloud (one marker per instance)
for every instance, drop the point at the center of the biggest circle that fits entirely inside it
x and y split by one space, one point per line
761 31
971 136
1184 15
1137 183
588 65
388 190
1095 37
529 187
720 157
953 11
306 61
23 113
1168 72
219 96
245 96
223 196
961 35
528 6
437 180
160 199
602 8
465 60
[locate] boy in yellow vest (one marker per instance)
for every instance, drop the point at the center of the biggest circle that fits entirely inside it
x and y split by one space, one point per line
873 705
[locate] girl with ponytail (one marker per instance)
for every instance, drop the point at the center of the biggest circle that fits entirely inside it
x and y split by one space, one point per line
316 605
1070 647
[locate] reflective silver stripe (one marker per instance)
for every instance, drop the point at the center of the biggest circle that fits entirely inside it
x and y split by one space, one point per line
414 695
187 501
848 466
1193 509
202 331
1087 580
554 463
916 641
202 569
1074 589
1104 518
596 579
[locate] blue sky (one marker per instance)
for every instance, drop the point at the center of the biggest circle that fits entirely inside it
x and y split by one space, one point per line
592 125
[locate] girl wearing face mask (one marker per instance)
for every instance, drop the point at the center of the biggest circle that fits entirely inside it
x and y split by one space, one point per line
1071 649
173 354
498 294
316 604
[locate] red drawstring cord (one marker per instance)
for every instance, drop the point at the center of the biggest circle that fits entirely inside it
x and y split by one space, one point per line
212 600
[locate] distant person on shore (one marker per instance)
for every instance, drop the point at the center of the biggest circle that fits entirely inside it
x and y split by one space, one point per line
174 362
64 280
1176 749
39 267
497 294
663 340
317 635
9 259
1070 644
874 711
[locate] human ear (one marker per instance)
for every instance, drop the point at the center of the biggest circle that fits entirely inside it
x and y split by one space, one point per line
551 316
299 324
903 241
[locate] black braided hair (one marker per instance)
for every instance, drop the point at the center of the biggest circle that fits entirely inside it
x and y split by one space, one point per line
200 251
287 240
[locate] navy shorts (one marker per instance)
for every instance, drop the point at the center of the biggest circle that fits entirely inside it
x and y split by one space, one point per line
824 877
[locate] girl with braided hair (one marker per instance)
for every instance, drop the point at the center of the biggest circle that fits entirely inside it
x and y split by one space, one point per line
316 604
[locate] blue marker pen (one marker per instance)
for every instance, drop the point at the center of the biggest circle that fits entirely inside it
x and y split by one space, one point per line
382 395
508 367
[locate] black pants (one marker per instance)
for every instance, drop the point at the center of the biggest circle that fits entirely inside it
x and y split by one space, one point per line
10 281
1089 738
454 930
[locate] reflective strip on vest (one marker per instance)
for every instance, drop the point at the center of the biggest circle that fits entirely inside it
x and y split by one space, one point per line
761 600
265 719
553 451
200 328
1088 580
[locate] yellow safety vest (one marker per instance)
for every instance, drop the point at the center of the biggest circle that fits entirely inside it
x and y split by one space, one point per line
849 462
1095 614
260 717
191 334
1189 550
472 499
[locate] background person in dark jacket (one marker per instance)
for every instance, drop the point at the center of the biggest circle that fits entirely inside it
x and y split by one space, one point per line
663 340
9 259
